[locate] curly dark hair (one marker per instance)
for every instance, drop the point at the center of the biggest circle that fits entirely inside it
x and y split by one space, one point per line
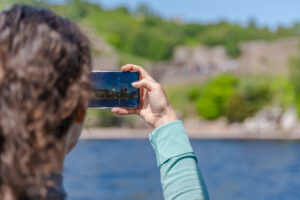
45 67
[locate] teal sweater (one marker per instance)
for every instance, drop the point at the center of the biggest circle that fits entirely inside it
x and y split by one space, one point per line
181 178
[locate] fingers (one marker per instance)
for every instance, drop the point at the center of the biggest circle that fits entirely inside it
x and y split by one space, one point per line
144 83
131 67
124 111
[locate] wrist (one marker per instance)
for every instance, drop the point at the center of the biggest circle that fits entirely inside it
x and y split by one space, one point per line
168 116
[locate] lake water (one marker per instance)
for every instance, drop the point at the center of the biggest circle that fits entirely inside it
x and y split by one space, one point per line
233 170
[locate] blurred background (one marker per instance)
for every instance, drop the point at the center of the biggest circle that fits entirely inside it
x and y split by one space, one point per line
231 70
223 64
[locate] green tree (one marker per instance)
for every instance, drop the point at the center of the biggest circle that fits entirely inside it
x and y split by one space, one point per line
294 66
151 43
256 91
144 9
237 108
214 96
76 9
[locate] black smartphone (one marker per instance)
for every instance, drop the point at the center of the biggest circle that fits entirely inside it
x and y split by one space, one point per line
114 89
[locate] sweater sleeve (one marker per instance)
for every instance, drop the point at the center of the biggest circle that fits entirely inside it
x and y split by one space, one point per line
181 178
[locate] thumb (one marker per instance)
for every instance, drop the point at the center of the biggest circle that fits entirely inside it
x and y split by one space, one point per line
144 83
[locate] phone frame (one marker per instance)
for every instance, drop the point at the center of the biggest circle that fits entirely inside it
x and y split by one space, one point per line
118 71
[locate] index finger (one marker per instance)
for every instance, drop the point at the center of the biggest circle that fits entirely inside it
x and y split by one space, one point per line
131 67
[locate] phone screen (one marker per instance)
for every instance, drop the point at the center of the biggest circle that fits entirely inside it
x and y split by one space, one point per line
114 89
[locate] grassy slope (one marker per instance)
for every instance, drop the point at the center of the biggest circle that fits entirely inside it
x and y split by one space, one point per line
145 35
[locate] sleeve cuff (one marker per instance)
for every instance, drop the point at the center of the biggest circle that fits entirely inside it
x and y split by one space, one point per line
170 140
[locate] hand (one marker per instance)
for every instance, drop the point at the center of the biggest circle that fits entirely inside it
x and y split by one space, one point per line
155 107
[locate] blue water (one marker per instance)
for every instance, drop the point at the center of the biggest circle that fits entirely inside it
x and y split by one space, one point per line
233 170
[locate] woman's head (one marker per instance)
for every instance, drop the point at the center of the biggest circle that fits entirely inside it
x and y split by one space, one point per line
44 86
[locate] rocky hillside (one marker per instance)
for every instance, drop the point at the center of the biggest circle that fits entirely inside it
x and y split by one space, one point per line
257 57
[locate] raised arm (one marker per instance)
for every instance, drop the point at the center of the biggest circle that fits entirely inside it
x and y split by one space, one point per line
180 175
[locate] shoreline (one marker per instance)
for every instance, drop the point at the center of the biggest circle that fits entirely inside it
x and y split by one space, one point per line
194 133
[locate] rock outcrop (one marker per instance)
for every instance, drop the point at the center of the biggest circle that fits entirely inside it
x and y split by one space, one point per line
258 57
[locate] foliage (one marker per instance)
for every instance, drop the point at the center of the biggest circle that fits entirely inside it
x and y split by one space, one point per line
150 43
194 93
208 108
103 118
283 92
144 34
294 67
235 98
215 94
237 108
179 97
126 58
256 91
6 3
76 9
232 49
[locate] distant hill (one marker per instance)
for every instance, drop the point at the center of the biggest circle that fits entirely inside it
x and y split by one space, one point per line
143 35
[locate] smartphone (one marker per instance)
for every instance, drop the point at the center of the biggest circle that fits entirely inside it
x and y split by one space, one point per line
113 89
